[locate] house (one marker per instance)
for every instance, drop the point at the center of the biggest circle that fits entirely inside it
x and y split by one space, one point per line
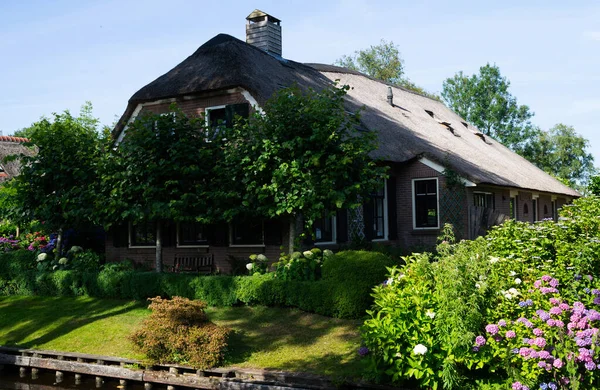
10 146
442 168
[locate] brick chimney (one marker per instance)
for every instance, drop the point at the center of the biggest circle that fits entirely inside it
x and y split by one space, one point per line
264 32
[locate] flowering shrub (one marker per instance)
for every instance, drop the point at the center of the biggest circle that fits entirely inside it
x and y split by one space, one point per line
8 244
301 265
548 341
515 309
258 264
37 241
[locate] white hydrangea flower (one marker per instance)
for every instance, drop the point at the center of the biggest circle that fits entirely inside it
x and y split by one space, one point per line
42 256
514 291
261 257
249 266
430 313
518 281
63 261
420 349
327 253
512 273
494 260
477 285
308 254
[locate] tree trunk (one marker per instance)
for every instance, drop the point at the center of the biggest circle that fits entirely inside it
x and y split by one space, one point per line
158 264
59 242
292 234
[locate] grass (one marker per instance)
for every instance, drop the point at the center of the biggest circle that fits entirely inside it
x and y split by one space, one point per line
274 338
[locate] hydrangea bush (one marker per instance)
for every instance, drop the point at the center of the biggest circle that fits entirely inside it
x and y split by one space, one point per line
515 309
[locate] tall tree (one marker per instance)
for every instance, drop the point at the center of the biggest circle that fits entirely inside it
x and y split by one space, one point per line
382 62
485 101
163 170
57 185
303 156
563 153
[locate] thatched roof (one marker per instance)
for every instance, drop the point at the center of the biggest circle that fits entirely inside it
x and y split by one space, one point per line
12 146
406 130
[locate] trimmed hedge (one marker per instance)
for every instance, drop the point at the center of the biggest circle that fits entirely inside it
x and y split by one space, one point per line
344 291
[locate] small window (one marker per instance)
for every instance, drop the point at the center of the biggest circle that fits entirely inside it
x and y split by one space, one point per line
545 209
525 209
324 230
142 234
248 232
379 209
425 204
192 234
484 199
216 117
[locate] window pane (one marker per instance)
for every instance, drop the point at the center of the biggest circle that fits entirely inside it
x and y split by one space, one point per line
217 117
192 233
323 229
426 212
143 234
248 233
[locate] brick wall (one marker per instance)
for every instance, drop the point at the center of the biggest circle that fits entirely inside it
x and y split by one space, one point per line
194 106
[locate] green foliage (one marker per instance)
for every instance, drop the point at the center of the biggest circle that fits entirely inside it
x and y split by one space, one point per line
178 331
303 154
485 101
258 264
382 62
301 265
594 186
443 305
58 184
352 274
564 154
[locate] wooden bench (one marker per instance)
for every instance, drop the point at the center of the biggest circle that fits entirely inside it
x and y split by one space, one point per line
197 263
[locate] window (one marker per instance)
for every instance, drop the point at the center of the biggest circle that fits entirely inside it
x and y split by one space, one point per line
142 234
324 230
192 234
216 117
553 205
247 233
534 209
484 199
425 204
378 200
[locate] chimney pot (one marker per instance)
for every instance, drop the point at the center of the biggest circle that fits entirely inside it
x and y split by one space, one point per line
264 32
390 97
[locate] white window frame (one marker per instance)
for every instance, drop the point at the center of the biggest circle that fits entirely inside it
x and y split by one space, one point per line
232 245
188 246
386 230
130 231
414 201
207 111
333 233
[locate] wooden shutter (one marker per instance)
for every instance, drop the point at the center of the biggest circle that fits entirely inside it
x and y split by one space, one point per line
341 227
392 209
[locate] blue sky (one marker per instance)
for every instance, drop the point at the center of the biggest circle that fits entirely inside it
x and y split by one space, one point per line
56 55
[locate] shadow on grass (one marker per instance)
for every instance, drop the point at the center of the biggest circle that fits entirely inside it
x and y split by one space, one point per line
293 340
30 315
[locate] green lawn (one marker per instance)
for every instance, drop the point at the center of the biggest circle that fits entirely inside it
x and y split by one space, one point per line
283 339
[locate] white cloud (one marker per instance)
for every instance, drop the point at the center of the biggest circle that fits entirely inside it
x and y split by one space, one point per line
592 35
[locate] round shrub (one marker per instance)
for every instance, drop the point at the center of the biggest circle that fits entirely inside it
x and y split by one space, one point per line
178 331
351 276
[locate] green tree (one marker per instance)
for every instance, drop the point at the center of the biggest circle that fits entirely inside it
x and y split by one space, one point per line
563 153
303 156
163 170
382 62
593 187
58 184
485 101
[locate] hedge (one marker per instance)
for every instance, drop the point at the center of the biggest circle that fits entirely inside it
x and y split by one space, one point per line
344 291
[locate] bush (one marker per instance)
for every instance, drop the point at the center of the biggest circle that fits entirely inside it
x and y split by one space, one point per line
352 275
178 331
448 321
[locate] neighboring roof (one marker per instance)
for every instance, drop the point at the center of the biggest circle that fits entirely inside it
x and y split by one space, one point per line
12 146
406 130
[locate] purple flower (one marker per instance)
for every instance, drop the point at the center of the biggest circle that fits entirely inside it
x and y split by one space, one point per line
557 363
363 351
541 364
479 341
546 278
502 323
544 354
511 334
552 386
564 306
517 386
590 277
540 342
597 301
553 283
590 366
577 277
538 332
554 301
555 311
542 315
492 329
